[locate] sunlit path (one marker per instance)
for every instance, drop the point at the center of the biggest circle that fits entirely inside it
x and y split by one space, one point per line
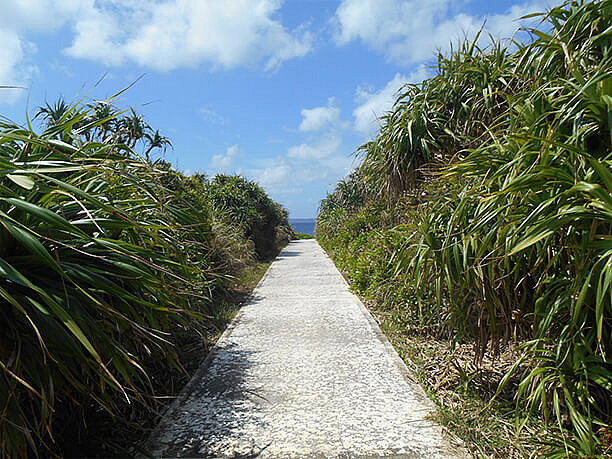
303 371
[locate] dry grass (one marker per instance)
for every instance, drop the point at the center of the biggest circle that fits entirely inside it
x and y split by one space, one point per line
462 389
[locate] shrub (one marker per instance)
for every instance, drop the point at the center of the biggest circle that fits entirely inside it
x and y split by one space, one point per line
247 205
504 158
95 269
106 260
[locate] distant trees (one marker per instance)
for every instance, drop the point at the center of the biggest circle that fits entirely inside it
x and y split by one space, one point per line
102 122
248 206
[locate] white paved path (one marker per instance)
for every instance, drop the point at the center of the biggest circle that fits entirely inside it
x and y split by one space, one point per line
303 371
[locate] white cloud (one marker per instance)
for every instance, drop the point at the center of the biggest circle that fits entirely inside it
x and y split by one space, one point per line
38 15
409 32
17 17
505 25
275 175
282 175
162 35
337 166
186 33
325 128
274 178
11 55
223 162
314 160
375 104
325 147
315 119
98 37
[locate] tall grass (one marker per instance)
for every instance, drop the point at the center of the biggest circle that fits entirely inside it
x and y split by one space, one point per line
504 160
104 258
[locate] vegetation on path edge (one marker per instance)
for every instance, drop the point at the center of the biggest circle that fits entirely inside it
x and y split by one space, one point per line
481 214
111 264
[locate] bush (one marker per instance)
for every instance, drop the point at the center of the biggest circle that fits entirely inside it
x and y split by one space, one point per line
247 205
106 260
498 169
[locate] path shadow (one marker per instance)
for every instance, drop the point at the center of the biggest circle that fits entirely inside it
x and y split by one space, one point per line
212 410
289 253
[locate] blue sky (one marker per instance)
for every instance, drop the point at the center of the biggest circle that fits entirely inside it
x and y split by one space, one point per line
281 92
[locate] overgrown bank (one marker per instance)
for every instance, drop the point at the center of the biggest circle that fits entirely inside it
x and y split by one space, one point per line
112 267
481 215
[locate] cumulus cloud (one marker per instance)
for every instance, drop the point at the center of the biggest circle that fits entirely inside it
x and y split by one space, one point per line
275 175
315 119
162 35
222 163
409 32
324 127
11 55
38 15
16 18
318 158
273 178
97 36
373 104
319 150
284 175
186 33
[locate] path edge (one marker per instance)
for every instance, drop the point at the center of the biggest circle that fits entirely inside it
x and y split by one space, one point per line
457 446
205 364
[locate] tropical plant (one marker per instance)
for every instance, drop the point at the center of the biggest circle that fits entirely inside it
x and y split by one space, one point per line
349 194
54 113
132 128
155 140
247 205
106 260
505 158
433 123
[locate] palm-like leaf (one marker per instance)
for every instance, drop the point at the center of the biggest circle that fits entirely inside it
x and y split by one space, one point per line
506 159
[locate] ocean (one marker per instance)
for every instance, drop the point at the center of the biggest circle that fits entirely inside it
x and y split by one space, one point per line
303 225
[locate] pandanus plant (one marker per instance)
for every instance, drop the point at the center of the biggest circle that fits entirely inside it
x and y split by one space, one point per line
511 149
99 262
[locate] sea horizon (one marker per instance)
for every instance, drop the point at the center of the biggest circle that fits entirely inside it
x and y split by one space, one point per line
303 225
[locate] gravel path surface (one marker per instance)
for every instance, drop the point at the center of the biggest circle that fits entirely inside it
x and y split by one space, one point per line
304 371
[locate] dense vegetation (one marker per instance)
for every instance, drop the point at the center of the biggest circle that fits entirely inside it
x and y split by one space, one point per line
246 204
483 209
107 259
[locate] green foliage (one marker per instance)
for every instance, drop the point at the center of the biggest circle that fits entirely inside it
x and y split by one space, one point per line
105 259
349 194
432 123
499 169
301 236
248 206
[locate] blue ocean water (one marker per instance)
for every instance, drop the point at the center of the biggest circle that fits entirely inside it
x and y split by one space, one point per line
303 225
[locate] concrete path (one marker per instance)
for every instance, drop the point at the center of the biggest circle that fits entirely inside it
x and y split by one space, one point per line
304 371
